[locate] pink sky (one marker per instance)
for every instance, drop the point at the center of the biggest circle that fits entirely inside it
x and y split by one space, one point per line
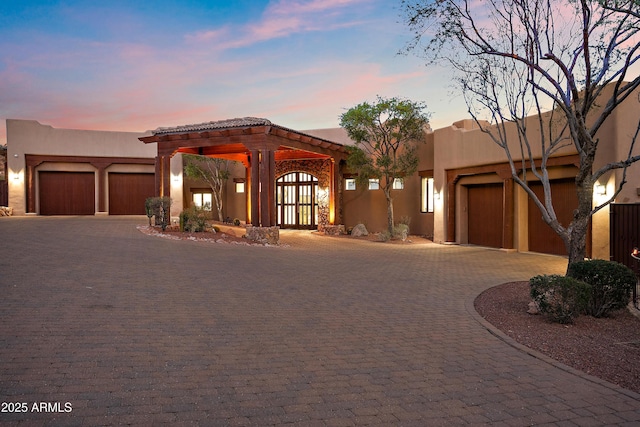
299 64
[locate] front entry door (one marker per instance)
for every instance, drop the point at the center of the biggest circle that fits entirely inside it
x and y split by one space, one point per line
297 200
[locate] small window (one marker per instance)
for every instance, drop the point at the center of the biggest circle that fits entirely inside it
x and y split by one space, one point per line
426 196
374 184
240 187
350 184
398 184
203 200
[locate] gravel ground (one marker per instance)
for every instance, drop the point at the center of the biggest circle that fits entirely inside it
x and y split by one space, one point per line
607 348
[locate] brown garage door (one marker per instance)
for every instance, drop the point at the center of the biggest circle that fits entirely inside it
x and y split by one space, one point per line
128 192
541 237
485 214
66 193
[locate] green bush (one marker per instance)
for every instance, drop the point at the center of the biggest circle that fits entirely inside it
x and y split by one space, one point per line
611 284
193 219
560 298
401 231
384 236
160 207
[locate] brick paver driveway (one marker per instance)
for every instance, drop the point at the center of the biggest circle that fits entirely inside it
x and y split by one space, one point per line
102 324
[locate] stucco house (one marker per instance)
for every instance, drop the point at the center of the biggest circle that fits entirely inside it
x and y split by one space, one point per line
463 192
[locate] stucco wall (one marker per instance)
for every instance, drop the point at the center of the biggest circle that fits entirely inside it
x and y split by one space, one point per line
463 145
30 137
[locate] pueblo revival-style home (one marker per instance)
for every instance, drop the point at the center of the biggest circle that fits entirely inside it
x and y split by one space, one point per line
463 192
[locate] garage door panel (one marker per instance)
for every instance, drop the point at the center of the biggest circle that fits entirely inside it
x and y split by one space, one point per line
485 214
128 192
565 200
66 193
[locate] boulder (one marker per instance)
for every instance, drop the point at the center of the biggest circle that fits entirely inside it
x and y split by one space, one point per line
359 230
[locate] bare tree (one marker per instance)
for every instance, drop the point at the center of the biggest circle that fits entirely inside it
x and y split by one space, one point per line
553 70
214 171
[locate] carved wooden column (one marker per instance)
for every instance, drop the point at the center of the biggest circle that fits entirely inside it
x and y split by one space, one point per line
247 191
267 181
158 176
166 176
255 188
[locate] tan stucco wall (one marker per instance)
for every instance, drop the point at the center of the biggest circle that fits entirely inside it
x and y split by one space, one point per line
30 137
463 145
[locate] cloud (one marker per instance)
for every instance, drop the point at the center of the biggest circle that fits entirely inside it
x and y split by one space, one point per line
279 20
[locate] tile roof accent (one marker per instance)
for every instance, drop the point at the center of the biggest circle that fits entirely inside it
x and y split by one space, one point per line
217 125
237 123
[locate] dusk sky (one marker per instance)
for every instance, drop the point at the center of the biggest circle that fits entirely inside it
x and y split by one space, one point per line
138 65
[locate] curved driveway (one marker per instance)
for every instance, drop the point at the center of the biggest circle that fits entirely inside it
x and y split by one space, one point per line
107 325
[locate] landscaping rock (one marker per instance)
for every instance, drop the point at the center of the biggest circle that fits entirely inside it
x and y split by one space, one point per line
5 211
359 230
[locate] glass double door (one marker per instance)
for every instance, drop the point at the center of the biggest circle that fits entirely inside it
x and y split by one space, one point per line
297 200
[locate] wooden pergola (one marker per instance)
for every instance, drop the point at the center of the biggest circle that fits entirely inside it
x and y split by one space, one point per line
258 144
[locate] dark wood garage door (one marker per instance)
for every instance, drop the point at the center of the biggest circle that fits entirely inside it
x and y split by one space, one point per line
624 233
541 237
485 214
67 193
128 192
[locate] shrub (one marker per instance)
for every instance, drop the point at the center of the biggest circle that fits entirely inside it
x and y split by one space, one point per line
401 231
384 236
236 222
611 284
160 208
193 219
560 298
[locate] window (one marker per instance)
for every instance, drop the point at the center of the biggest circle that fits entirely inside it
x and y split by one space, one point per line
398 184
374 184
202 200
426 196
350 184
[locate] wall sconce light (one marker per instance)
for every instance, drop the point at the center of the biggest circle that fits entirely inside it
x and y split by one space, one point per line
601 190
436 195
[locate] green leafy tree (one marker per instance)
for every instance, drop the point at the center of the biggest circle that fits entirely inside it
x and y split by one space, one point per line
386 135
553 70
214 171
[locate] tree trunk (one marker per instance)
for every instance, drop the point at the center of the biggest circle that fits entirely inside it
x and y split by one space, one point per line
577 244
390 221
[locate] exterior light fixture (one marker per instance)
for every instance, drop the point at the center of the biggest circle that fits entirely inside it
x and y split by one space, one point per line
601 190
635 253
436 195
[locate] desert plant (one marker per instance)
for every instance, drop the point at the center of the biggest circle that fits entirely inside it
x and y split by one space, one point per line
561 298
193 219
401 231
611 284
160 207
149 208
236 222
384 236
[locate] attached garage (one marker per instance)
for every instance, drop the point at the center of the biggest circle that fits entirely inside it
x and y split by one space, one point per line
565 200
67 193
128 192
485 214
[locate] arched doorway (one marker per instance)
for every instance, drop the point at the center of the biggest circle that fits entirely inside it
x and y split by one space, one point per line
297 200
